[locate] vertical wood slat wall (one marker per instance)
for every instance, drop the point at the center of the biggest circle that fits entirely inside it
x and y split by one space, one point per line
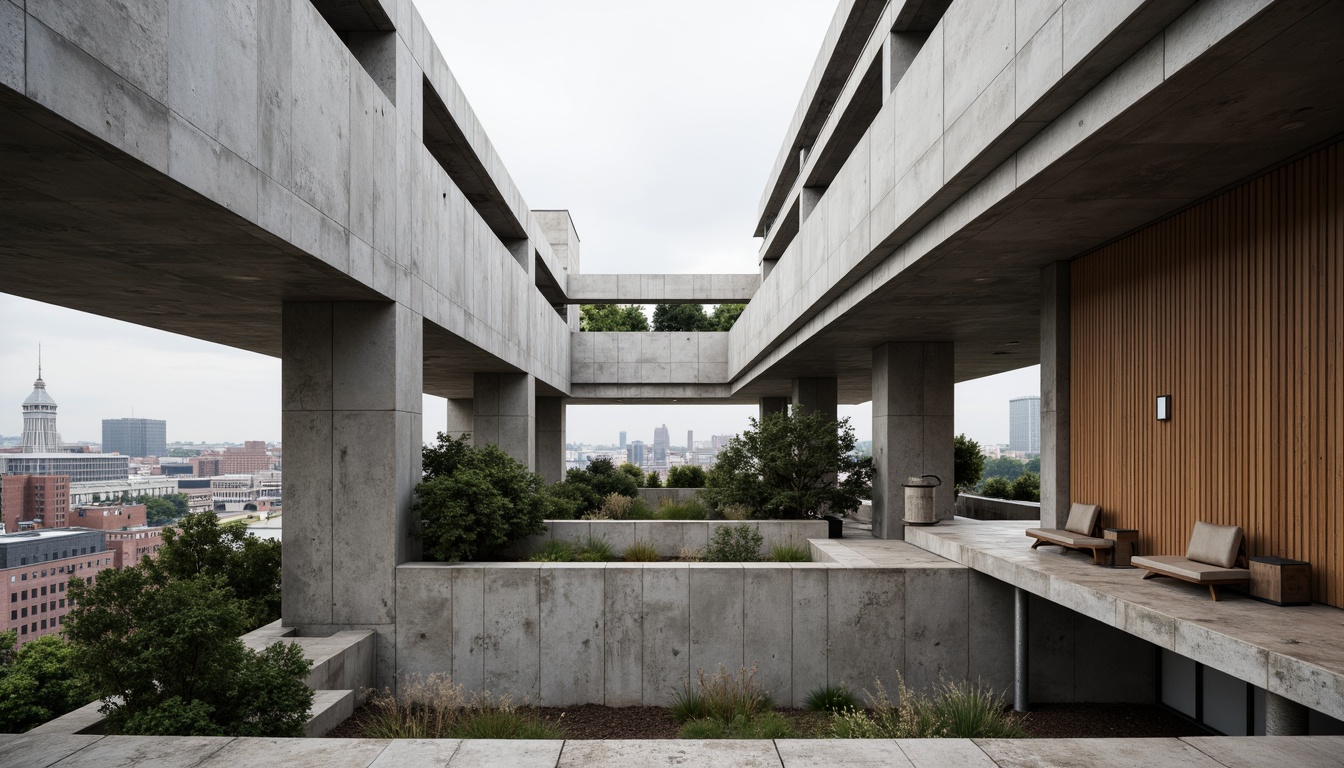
1233 307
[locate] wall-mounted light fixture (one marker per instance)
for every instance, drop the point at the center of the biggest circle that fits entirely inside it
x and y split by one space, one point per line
1164 407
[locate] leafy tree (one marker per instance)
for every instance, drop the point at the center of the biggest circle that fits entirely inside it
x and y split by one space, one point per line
630 469
652 480
164 656
1006 467
725 316
1034 464
1027 487
968 461
786 465
997 488
248 566
37 683
587 488
612 317
475 501
159 511
680 317
686 476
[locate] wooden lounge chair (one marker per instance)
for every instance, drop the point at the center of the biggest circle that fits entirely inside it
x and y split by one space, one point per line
1210 560
1078 532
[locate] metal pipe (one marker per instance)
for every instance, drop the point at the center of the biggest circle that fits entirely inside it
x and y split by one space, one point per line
1021 650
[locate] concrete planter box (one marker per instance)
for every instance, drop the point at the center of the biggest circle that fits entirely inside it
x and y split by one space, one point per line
669 537
625 634
986 508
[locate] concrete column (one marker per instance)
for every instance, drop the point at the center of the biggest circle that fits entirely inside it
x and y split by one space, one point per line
1021 650
1055 395
505 414
1284 717
351 383
550 461
912 428
771 405
461 414
817 394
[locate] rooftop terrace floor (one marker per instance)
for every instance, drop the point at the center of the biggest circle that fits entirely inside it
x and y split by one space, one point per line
27 751
1296 652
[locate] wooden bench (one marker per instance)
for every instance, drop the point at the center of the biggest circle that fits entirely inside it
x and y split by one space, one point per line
1079 532
1211 559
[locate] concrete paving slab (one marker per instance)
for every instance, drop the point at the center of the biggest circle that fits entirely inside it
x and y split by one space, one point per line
298 753
145 752
1252 752
38 751
521 753
417 753
944 753
658 752
1095 753
853 753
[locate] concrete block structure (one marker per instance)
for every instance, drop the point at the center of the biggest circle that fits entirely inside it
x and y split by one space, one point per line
1143 198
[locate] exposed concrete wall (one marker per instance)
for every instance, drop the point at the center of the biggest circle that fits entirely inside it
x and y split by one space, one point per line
550 460
986 508
913 403
1055 375
649 358
816 394
461 417
351 400
504 410
662 289
626 634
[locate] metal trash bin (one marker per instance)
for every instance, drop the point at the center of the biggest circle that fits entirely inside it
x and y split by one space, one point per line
835 526
920 495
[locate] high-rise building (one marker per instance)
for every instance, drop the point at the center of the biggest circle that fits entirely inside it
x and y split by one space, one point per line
39 420
1024 424
135 437
690 441
42 451
634 453
719 442
622 439
660 443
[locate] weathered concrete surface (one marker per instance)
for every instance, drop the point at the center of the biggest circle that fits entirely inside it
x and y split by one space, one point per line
669 537
913 401
662 289
631 359
986 508
1300 660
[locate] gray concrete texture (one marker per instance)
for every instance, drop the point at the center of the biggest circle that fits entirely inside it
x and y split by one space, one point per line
669 537
632 633
662 289
631 359
913 402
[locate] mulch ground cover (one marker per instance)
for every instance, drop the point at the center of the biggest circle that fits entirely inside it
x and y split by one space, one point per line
1046 721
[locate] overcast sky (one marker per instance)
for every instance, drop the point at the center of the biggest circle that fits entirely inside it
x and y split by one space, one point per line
654 124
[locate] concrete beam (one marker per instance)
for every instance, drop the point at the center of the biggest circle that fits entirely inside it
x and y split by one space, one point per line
662 289
912 428
1055 394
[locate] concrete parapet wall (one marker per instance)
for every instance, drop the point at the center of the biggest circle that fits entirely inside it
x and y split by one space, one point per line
625 634
986 508
669 537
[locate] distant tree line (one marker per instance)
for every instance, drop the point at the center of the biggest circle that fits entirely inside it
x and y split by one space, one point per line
666 317
1001 478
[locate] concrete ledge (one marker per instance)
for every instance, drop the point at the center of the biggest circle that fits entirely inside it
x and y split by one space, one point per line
330 709
86 719
975 507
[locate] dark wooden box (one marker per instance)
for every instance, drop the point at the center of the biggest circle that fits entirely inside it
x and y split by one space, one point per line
1281 581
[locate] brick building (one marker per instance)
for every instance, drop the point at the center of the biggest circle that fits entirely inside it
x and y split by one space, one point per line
25 498
35 569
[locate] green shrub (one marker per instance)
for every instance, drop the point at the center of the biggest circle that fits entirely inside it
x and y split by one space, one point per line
37 682
652 480
688 476
616 506
790 553
690 509
198 545
594 550
734 544
475 501
1027 487
997 488
435 708
641 552
721 696
555 551
956 710
833 699
762 725
968 462
586 489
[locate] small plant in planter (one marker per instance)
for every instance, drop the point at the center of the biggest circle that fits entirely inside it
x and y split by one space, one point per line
790 553
831 699
735 544
641 552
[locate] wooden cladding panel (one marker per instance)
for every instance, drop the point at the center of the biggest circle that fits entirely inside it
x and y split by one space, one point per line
1232 307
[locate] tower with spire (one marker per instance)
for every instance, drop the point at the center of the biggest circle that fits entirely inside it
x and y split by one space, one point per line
39 418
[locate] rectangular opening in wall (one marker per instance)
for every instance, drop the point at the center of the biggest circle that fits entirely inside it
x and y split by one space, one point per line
452 149
369 34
